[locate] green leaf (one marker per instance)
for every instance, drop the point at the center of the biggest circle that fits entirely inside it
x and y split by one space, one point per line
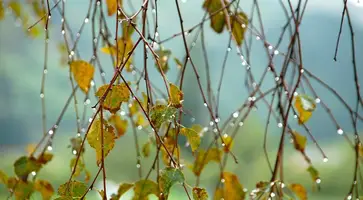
25 165
299 141
239 24
117 94
176 96
144 188
163 59
3 178
45 188
146 149
299 190
23 190
313 173
192 137
124 187
168 177
305 106
76 189
218 20
83 73
160 114
94 139
179 64
200 194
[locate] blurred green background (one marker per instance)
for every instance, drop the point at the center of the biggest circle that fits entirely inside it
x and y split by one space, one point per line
21 61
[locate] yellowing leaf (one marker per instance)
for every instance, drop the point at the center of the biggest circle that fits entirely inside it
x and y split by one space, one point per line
168 177
140 120
163 60
22 190
218 194
305 106
44 158
232 187
228 143
39 10
171 145
16 8
112 6
25 165
76 189
102 194
45 188
144 188
299 190
30 148
313 173
176 96
83 73
117 94
203 158
94 138
146 149
2 10
3 178
192 136
76 143
121 190
119 124
200 194
160 114
179 64
134 108
217 21
299 141
79 168
124 46
239 24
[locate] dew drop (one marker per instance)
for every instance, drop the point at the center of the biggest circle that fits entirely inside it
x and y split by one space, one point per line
243 25
318 181
302 71
340 131
34 173
240 124
103 74
41 95
349 197
325 159
277 78
92 83
235 114
225 135
217 120
282 185
90 120
78 34
317 100
244 63
63 32
156 34
272 194
279 125
258 38
295 116
223 144
72 53
86 20
222 180
229 49
49 148
276 52
205 104
295 94
211 123
50 132
138 165
139 127
74 152
270 47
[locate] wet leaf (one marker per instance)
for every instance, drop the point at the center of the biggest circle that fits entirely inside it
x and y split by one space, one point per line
299 141
124 187
76 143
76 189
79 168
171 146
144 188
202 159
23 190
3 178
163 59
176 96
160 114
200 194
192 137
217 21
25 165
239 24
45 188
228 143
112 6
299 190
83 73
119 124
232 187
168 177
146 149
45 158
94 139
305 106
124 46
117 94
313 173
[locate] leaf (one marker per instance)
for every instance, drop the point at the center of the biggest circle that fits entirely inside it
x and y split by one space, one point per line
228 143
200 194
64 198
45 188
25 165
192 137
44 158
179 64
16 8
176 96
22 190
112 6
168 177
79 168
76 143
313 173
3 178
217 21
143 188
299 190
134 108
116 95
39 11
232 187
140 120
299 141
2 10
119 124
94 139
124 46
218 194
76 189
124 187
30 148
305 106
239 24
202 159
160 114
146 149
102 194
83 73
171 145
163 59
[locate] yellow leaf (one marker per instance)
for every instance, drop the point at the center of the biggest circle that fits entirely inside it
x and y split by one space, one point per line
119 124
192 136
168 177
121 190
313 173
45 188
171 146
176 96
3 178
299 141
74 189
44 158
305 106
218 194
112 6
124 46
228 143
16 8
117 94
239 24
23 190
102 194
160 114
83 73
30 148
203 158
140 120
94 138
146 149
299 190
79 168
200 194
134 107
2 10
232 187
144 188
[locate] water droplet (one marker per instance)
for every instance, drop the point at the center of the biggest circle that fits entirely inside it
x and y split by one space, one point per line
88 101
34 173
79 134
86 20
63 32
50 132
295 116
295 94
258 38
95 40
243 25
211 123
276 52
240 124
270 47
340 131
139 127
222 180
223 144
277 78
138 165
49 16
272 194
62 20
205 104
317 100
217 120
92 83
248 68
192 119
72 53
74 152
156 34
49 148
103 74
78 34
55 126
41 95
244 63
318 180
225 135
279 125
325 159
349 197
98 3
229 49
235 114
301 70
282 185
90 120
